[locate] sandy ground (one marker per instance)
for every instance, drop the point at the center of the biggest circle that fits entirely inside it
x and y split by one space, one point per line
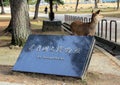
104 69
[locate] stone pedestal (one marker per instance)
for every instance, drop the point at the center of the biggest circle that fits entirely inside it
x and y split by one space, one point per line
51 25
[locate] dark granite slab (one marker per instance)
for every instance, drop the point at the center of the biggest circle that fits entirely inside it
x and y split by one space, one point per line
56 54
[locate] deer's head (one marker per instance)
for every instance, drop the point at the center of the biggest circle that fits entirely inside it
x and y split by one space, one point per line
96 16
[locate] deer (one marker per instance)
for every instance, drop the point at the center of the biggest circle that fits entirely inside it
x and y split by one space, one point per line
86 29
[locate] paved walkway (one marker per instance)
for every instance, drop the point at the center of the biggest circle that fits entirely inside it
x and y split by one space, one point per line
103 62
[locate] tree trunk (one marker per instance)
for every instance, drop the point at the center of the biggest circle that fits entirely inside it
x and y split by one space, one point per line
28 3
118 1
36 9
51 14
56 7
9 28
2 7
20 22
76 5
96 6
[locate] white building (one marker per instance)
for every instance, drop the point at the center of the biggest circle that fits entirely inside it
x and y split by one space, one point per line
82 1
72 1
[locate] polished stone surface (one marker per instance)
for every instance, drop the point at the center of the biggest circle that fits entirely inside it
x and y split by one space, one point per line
56 54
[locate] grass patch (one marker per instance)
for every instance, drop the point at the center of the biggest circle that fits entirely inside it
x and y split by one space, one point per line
107 12
117 15
5 37
37 24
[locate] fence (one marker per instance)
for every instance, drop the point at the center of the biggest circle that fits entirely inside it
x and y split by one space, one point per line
109 33
102 29
106 33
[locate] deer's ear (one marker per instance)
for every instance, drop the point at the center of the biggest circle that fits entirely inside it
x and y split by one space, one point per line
98 12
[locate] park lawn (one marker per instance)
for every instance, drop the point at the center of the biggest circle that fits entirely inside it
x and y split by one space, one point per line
36 25
107 12
5 38
7 75
79 11
117 15
82 8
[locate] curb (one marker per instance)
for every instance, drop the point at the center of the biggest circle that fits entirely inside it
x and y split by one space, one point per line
113 58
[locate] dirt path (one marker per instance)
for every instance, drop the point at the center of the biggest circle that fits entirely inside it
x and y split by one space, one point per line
102 71
6 75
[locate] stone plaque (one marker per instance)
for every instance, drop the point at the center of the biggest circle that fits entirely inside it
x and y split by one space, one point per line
56 54
51 25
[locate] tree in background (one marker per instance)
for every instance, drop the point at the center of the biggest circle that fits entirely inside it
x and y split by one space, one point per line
51 14
2 7
96 6
76 5
20 22
118 1
53 2
56 3
32 2
36 9
6 2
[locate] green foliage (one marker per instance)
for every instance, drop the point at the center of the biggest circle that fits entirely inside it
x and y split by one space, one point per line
32 2
56 1
6 2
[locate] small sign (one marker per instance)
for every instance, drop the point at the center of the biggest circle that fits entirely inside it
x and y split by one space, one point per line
56 54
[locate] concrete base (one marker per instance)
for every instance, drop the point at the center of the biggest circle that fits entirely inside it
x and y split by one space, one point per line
51 25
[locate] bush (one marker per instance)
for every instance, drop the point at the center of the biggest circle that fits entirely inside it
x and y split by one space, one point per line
6 2
32 2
